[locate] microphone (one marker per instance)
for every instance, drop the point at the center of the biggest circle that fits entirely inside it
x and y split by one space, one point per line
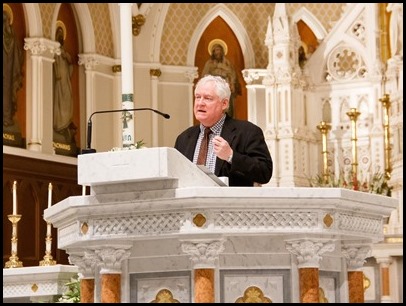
89 123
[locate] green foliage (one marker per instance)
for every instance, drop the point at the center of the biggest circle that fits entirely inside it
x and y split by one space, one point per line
72 294
140 144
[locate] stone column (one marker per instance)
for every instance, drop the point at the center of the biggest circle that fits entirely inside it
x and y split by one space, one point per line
90 63
384 263
308 256
355 257
86 264
39 127
204 255
110 262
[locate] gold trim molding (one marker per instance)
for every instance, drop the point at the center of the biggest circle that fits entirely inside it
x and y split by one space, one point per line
116 68
155 72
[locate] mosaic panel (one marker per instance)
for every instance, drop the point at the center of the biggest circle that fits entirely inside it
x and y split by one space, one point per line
102 28
47 11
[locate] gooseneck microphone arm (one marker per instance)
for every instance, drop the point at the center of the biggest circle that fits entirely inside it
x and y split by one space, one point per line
89 122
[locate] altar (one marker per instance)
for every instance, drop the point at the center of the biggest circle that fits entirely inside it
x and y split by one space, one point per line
156 228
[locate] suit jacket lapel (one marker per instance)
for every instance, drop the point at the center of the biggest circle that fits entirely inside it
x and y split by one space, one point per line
228 134
193 135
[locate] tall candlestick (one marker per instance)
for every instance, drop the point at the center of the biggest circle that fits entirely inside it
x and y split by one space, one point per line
353 114
15 198
49 195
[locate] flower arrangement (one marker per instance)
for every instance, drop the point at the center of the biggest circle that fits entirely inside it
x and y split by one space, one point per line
138 145
378 183
72 294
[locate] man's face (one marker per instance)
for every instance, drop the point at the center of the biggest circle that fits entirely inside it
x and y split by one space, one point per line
208 107
218 52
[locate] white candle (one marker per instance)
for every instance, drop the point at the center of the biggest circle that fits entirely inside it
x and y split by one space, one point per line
48 229
49 195
127 68
83 190
15 198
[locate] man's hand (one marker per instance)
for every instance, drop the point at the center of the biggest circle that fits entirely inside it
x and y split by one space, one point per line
221 148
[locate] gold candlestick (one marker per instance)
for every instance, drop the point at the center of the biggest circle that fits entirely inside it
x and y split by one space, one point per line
386 107
13 260
324 128
48 259
353 114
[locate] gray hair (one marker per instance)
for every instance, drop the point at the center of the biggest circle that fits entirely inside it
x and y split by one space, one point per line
222 88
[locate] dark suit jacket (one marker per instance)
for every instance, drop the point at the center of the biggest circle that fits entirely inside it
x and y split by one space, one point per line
252 161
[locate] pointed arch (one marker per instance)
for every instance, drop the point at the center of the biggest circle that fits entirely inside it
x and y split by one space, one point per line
222 11
312 22
86 28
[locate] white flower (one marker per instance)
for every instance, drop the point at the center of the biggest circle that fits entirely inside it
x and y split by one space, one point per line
138 145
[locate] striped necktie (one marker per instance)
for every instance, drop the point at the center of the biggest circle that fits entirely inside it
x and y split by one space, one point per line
201 160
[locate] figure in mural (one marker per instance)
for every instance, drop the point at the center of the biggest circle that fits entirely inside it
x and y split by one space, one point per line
219 65
302 57
63 95
396 28
12 69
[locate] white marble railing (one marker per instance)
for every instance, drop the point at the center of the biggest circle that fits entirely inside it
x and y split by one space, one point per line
36 284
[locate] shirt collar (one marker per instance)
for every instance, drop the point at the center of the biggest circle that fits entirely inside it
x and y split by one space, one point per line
216 128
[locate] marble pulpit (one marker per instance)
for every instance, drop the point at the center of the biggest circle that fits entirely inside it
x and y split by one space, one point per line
155 227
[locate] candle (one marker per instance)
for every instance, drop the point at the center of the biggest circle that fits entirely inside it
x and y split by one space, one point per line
48 229
15 198
49 195
83 190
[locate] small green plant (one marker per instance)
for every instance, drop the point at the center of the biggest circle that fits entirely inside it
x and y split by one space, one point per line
72 294
140 144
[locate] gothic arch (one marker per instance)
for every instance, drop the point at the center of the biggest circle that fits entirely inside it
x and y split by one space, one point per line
306 16
86 28
222 11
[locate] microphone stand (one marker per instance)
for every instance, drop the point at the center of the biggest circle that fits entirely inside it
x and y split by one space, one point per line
89 123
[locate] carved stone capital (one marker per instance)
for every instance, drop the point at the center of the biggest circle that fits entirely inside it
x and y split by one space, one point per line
111 258
355 256
191 75
203 254
86 263
89 60
308 252
39 46
384 262
251 75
